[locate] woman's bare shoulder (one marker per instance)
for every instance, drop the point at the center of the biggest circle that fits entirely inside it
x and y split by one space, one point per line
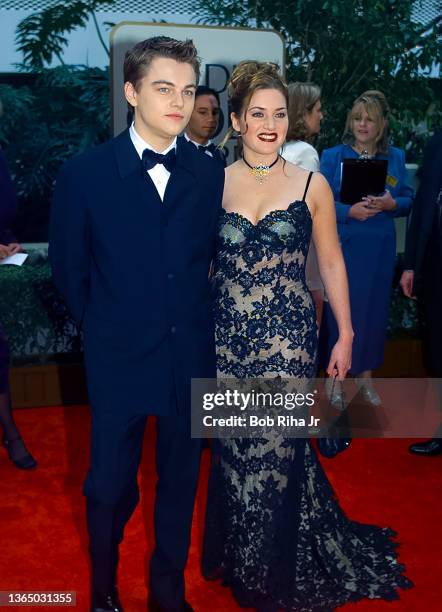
233 168
295 172
232 183
319 182
320 194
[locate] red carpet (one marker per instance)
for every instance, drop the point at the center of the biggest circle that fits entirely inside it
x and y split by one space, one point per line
43 538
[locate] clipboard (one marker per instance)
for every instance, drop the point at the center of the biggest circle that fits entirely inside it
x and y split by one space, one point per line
362 177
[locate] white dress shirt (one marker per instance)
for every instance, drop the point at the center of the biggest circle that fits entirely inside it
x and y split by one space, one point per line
198 144
158 174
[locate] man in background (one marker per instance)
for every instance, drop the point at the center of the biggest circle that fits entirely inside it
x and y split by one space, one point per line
422 276
204 123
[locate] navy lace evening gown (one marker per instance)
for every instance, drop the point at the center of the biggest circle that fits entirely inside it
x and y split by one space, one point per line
275 533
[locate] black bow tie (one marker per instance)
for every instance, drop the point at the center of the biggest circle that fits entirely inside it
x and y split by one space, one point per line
210 147
151 159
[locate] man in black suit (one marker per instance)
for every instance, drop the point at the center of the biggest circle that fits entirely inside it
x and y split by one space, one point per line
422 277
204 123
132 236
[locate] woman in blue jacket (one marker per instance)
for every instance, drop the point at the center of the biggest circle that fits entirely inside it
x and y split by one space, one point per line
367 234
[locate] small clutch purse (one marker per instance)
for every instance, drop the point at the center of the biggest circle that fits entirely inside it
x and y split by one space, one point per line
330 447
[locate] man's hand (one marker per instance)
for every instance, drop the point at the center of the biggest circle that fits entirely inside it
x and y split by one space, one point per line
380 203
362 211
407 282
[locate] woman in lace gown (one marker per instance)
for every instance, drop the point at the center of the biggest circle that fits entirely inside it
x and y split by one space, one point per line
275 533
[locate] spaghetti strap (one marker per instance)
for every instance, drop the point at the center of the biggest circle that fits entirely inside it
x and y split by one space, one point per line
306 186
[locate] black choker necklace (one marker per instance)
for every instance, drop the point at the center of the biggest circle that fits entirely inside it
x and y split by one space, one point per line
261 171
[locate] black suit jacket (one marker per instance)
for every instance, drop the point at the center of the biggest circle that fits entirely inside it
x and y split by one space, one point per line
218 155
423 215
134 273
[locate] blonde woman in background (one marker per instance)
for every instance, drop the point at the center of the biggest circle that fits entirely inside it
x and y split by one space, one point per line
305 116
368 236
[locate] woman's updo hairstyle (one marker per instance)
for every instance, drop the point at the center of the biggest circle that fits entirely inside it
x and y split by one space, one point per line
247 78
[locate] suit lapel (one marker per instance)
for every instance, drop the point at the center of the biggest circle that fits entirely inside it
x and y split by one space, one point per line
138 183
219 157
184 177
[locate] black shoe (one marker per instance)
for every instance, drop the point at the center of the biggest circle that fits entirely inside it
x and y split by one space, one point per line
109 603
27 462
154 606
430 448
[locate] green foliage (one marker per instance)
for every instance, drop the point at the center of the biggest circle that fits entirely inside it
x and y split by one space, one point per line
66 111
41 36
346 47
33 315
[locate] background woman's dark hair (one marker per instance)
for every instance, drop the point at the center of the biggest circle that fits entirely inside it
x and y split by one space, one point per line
202 90
247 78
138 59
302 99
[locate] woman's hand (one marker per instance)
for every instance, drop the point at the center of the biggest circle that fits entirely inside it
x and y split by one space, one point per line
14 248
383 202
362 211
11 249
4 251
340 358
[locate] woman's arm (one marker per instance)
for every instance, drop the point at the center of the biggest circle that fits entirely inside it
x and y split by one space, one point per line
333 273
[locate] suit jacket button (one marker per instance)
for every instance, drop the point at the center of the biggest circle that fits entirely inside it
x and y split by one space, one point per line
173 329
170 276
